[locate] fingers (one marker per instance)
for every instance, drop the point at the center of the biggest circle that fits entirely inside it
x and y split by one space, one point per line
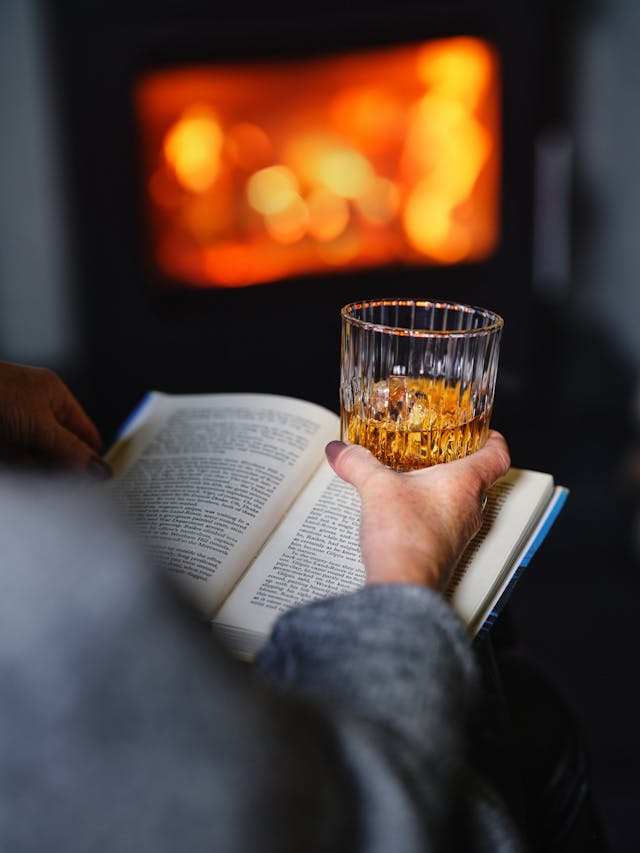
64 446
351 462
74 438
490 462
354 463
71 415
79 423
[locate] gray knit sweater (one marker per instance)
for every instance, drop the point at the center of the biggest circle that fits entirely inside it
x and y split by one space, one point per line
124 727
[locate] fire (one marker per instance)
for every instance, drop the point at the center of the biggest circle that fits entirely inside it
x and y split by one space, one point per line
272 190
370 158
192 148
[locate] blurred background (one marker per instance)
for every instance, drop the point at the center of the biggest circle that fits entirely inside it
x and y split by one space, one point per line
191 190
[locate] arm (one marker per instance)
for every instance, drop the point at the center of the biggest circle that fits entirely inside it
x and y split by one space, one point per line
414 528
125 728
393 658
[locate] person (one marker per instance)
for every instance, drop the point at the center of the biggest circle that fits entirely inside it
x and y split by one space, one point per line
124 725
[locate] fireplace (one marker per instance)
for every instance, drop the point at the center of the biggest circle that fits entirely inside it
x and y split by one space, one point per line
237 176
375 157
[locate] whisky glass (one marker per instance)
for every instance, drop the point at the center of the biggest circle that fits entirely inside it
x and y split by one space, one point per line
417 379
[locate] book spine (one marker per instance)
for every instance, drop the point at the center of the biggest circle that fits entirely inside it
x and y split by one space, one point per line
131 418
500 604
559 502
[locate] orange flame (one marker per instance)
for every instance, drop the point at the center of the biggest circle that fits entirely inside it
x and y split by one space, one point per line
371 158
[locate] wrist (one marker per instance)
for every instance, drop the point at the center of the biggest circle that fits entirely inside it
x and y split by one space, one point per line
423 576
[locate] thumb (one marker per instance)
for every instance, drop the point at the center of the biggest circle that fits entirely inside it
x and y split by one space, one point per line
351 462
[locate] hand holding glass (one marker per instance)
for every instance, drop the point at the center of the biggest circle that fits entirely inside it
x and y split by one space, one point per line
417 379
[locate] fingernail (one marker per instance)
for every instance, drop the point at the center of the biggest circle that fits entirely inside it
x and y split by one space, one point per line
99 469
333 449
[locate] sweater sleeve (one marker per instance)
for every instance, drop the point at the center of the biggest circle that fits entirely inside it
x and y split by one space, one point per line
392 667
393 654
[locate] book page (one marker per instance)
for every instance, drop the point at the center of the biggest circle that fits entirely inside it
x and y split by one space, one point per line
205 478
514 506
499 597
315 553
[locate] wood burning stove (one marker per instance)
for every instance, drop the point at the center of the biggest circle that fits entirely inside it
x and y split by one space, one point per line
238 174
375 157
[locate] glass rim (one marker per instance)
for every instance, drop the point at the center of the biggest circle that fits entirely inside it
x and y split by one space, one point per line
494 321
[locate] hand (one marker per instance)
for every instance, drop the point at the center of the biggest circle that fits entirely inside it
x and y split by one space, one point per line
41 421
416 525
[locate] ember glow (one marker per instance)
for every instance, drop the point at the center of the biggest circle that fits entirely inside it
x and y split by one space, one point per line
255 173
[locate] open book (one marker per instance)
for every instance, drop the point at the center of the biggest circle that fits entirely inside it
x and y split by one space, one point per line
234 497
